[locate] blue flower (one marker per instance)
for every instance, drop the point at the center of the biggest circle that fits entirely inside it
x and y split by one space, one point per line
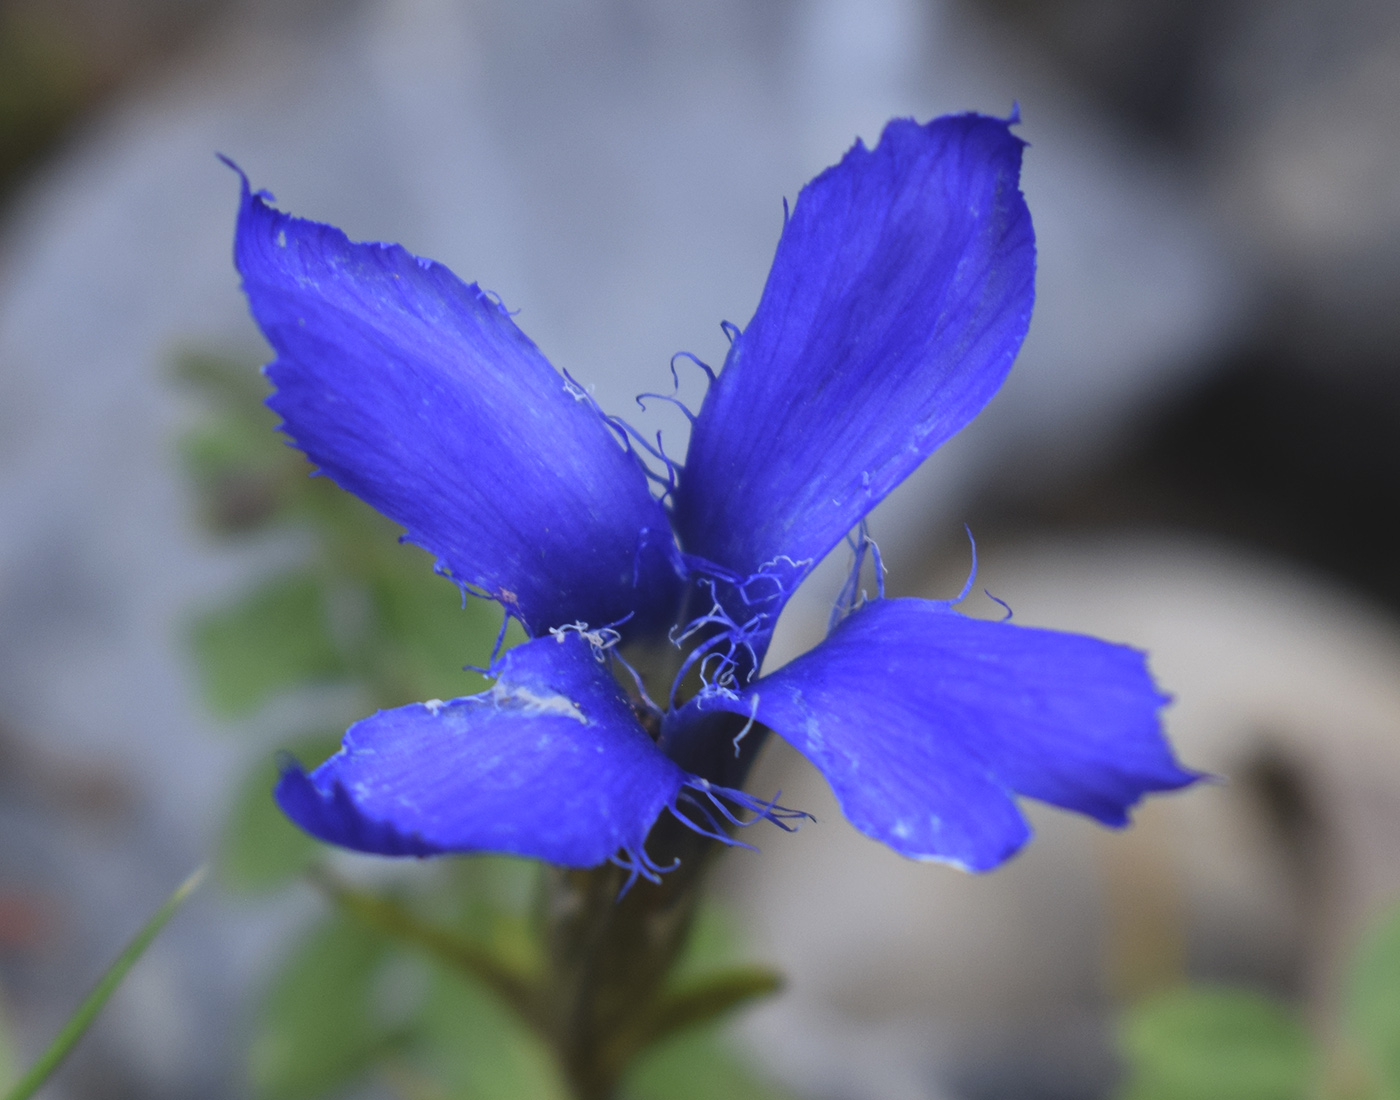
899 296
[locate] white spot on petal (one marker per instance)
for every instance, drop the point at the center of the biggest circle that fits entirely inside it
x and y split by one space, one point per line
528 702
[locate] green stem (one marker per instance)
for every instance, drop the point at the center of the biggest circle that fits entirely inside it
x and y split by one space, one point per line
603 998
92 1004
609 958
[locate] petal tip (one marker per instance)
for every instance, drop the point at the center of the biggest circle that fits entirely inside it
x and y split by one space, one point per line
332 816
976 859
242 175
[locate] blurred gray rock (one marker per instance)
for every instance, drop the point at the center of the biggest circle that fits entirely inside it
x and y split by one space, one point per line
912 980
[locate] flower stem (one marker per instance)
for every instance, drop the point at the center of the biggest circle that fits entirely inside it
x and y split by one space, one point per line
608 957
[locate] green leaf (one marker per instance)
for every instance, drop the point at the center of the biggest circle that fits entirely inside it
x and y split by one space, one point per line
232 385
228 447
491 900
515 987
478 1050
317 1030
245 476
425 634
1215 1044
275 638
696 1066
241 486
1373 1000
713 944
704 1000
705 983
260 849
92 1004
356 537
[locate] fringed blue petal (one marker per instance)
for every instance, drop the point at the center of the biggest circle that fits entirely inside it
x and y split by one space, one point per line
900 294
418 393
929 724
550 763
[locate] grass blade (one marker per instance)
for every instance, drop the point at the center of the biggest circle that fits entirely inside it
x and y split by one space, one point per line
105 987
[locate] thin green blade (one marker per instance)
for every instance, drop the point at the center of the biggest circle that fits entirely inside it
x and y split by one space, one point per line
105 987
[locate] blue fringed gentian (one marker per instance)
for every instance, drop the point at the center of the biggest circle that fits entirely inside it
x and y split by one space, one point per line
899 296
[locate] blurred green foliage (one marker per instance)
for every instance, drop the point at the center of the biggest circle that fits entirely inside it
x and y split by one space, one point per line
1373 1007
362 608
1214 1043
9 1056
318 1029
398 987
477 1049
276 638
261 850
695 1065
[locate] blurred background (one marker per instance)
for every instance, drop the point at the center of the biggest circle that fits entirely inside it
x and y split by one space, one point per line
1196 453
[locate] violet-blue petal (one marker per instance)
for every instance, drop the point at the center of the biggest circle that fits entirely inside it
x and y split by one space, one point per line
900 293
929 724
418 393
549 764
